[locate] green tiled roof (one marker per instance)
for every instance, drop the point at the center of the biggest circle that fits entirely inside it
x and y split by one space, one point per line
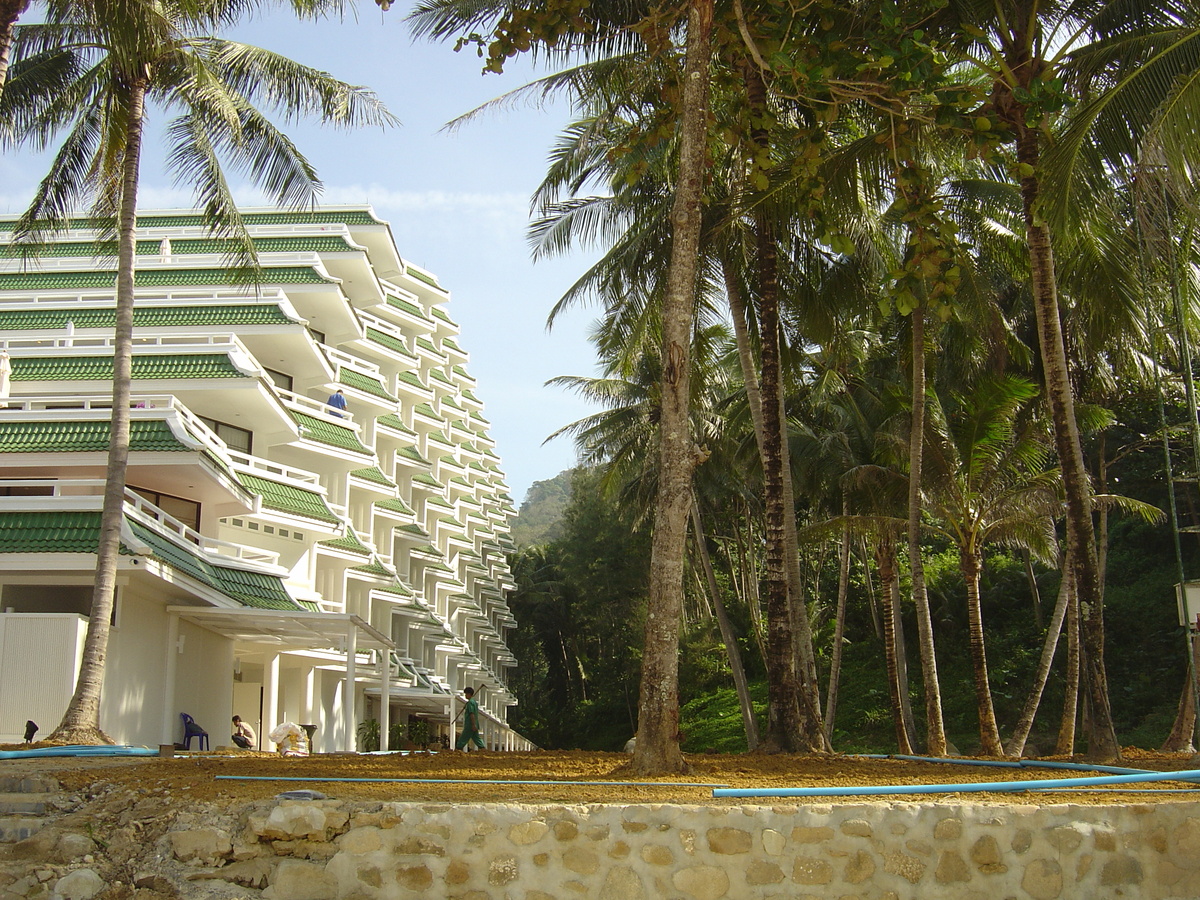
108 249
424 478
373 474
78 532
392 343
54 281
426 410
396 587
450 520
145 317
467 395
463 373
440 438
374 567
396 505
391 420
412 453
348 542
253 589
414 529
422 276
100 368
426 344
413 379
440 313
145 435
327 433
364 383
439 375
404 306
449 342
197 220
50 532
289 498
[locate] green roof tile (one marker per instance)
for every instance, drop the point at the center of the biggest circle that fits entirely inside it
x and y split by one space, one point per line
427 480
426 410
394 344
396 505
197 220
145 317
182 246
413 379
349 543
440 313
396 587
289 498
439 375
376 568
412 453
49 532
100 368
405 306
393 421
315 429
413 529
423 276
375 475
449 342
364 383
53 281
56 437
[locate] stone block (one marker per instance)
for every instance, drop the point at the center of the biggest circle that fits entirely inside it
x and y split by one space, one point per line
809 835
1121 870
414 877
702 882
762 871
622 883
812 870
361 840
503 870
773 842
729 841
910 868
81 884
200 846
985 853
657 855
859 867
298 879
581 860
951 868
1043 879
525 833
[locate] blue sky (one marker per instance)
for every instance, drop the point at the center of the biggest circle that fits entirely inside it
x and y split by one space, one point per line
457 202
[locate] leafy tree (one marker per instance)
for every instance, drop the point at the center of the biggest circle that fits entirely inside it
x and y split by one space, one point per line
121 56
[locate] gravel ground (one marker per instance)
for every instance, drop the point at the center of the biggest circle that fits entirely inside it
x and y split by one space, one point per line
574 776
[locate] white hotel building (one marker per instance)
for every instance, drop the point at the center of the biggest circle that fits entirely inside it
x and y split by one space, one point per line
279 561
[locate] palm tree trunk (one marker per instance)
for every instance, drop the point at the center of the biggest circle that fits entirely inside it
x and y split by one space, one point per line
10 12
1184 727
1016 744
839 627
1081 537
1034 594
740 683
657 750
886 560
935 730
81 721
1065 745
989 732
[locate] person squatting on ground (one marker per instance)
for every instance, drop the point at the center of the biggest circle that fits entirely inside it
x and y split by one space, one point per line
243 734
470 726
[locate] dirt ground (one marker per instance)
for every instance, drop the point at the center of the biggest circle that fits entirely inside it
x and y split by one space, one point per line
574 777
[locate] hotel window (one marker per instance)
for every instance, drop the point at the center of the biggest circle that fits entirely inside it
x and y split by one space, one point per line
186 511
240 439
279 379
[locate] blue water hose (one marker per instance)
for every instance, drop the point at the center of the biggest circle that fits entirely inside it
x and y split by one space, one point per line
468 781
970 787
79 750
1008 763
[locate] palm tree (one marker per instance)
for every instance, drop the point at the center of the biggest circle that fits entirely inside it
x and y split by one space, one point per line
124 56
1022 47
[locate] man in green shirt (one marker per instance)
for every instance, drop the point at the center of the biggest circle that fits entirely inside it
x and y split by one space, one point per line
470 725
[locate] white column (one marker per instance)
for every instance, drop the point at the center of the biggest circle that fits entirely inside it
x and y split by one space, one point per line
170 667
385 697
348 712
270 695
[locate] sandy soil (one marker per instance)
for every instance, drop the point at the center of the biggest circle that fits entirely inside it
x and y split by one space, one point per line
574 777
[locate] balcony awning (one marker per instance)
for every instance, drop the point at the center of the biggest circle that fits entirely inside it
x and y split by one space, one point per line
285 630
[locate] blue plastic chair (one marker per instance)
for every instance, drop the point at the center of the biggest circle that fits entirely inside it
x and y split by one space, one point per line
192 730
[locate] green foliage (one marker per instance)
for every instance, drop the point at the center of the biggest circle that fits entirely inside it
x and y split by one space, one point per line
540 519
368 735
712 721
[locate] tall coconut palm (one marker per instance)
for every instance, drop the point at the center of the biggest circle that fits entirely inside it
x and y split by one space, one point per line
125 56
1021 47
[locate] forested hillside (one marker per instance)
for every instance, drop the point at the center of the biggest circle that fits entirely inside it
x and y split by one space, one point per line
539 519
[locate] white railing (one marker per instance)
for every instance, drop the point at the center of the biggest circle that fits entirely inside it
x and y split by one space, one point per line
151 515
71 344
351 362
317 408
254 465
156 261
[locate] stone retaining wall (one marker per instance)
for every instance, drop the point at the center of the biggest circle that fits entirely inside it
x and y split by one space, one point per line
333 850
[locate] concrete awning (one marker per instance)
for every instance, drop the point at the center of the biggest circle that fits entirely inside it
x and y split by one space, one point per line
288 630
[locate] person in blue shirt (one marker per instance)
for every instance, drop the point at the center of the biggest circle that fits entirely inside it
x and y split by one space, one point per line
470 726
336 401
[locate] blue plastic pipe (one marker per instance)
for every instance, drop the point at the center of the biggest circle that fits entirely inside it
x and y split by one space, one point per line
467 781
1008 763
972 787
80 750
